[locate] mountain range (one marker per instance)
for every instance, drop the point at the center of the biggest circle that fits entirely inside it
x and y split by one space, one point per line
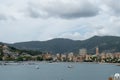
62 45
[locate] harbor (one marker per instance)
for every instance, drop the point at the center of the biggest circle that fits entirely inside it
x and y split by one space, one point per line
57 71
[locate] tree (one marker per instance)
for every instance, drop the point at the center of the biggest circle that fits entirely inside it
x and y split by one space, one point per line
39 58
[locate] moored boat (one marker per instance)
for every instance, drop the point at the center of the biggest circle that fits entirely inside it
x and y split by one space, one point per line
70 66
37 67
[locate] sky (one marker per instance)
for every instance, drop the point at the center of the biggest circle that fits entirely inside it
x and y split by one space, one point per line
40 20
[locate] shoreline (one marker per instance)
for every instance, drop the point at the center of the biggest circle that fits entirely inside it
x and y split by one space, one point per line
37 62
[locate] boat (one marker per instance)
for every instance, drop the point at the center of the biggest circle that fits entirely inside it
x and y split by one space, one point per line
50 61
31 63
70 66
37 67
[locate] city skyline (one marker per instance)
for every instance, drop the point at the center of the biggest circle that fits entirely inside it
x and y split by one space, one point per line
40 20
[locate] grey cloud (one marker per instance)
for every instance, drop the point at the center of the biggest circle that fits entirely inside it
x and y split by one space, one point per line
114 6
33 13
71 10
3 17
24 14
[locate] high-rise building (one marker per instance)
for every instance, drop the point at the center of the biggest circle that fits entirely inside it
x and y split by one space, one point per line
97 51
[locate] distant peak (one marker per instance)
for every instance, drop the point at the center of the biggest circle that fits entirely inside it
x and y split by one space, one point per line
61 39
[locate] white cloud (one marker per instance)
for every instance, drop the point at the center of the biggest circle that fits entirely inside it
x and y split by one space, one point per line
26 20
112 7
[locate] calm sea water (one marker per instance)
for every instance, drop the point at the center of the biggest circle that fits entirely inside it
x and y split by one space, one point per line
58 71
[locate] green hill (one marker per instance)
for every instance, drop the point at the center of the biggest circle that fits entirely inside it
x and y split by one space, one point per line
61 45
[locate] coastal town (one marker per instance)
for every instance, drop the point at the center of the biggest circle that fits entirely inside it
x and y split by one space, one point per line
8 54
59 39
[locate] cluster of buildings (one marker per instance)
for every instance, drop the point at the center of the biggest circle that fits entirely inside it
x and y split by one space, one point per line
7 54
82 56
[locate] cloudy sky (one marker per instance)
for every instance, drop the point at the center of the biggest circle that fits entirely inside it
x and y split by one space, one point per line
33 20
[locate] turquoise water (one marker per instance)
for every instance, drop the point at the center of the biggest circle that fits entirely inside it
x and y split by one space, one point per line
58 71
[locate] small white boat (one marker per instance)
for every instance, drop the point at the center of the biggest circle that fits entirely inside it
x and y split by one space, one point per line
37 67
70 66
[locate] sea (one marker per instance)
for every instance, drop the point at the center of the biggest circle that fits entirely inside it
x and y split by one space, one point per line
57 71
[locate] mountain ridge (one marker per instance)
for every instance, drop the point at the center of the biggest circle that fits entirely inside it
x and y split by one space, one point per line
63 45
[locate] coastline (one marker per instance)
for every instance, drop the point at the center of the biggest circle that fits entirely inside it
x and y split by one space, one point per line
37 62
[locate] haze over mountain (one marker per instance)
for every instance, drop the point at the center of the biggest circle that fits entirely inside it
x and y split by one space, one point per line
61 45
